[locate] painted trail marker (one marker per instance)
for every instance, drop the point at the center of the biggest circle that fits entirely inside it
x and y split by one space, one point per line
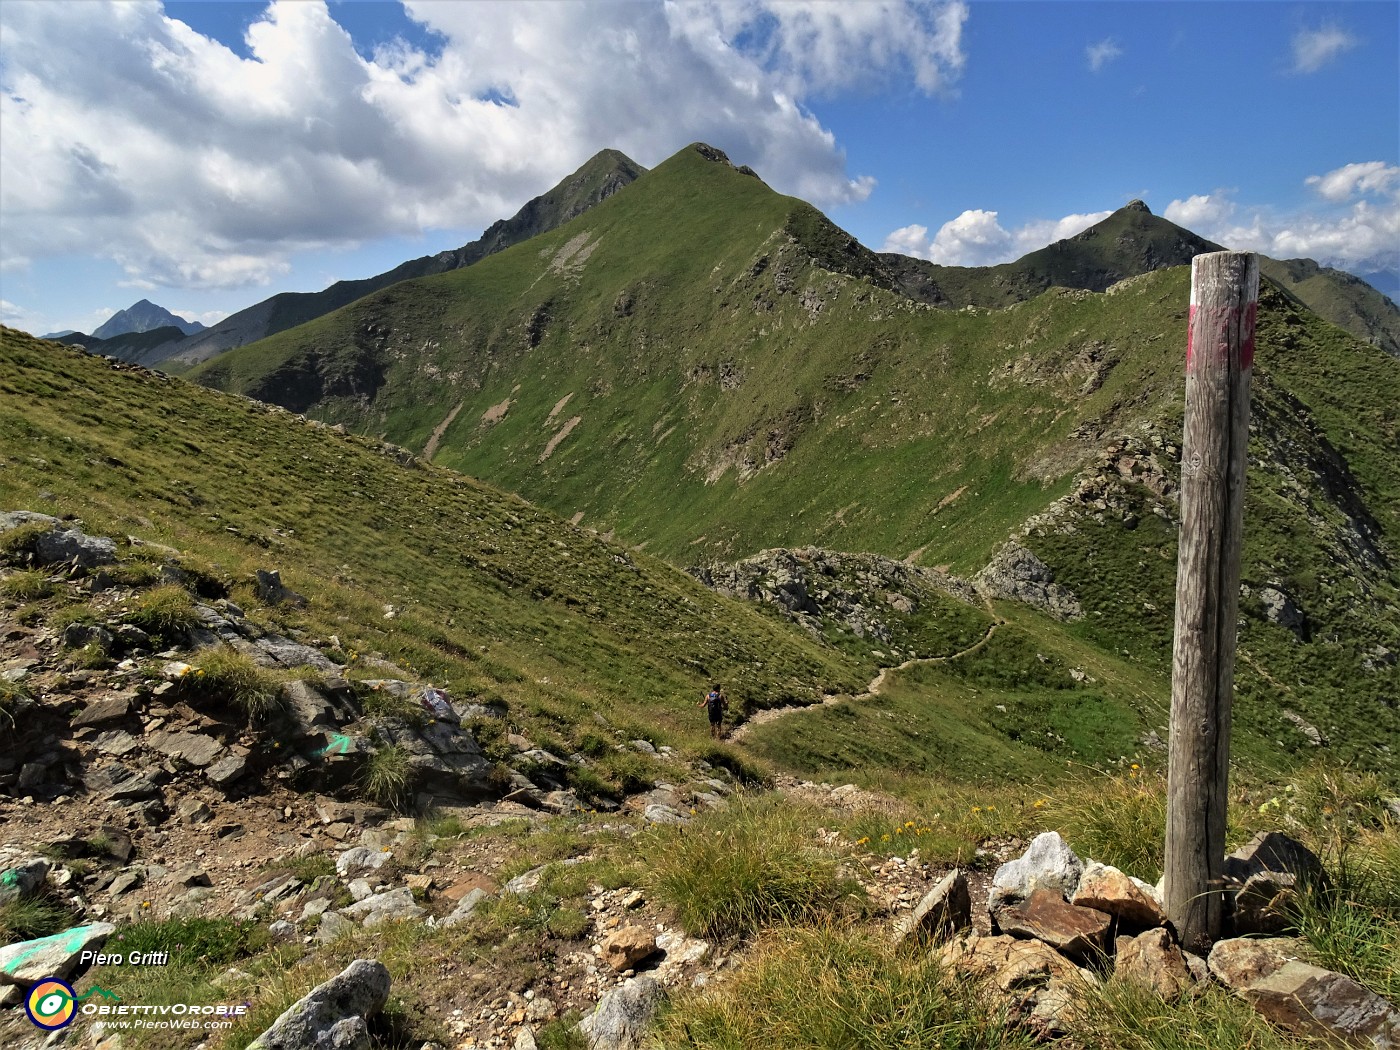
1219 364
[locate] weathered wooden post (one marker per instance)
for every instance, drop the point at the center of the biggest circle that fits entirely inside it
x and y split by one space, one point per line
1219 362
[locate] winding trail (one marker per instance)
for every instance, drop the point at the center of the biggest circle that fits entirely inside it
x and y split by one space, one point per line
877 684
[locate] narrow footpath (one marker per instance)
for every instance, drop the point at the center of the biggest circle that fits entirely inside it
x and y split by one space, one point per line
876 686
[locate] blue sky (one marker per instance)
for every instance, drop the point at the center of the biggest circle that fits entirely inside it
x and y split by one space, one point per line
208 155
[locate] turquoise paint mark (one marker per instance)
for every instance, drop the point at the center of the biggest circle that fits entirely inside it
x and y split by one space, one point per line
339 745
9 877
68 941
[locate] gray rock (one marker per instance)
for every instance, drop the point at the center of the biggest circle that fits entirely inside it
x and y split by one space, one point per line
1049 863
283 652
194 749
659 814
54 956
622 1016
1017 574
120 784
282 930
391 906
116 742
24 879
69 545
325 1019
193 811
945 909
359 859
465 907
227 769
1279 608
271 590
81 635
108 709
332 925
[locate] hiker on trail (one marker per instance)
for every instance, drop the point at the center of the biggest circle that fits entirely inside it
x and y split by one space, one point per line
715 703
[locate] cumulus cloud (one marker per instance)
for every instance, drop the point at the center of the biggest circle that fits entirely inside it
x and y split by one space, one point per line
128 135
1360 232
1368 177
1200 210
977 238
1315 48
1101 54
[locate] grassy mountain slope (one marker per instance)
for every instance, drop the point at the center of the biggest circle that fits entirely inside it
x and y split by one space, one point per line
603 175
1346 301
738 395
153 343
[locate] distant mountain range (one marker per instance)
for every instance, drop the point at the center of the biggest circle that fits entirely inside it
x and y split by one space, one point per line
1129 242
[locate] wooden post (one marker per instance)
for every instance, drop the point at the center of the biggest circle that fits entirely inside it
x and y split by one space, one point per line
1219 362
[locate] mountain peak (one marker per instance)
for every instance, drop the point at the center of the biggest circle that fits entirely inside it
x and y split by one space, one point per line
1136 205
144 316
710 153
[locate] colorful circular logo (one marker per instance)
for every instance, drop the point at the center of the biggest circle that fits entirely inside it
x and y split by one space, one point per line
51 1004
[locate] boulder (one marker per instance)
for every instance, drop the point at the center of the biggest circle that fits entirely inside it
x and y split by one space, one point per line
624 948
621 1018
54 956
945 910
69 545
1133 902
227 769
1301 998
108 709
1079 933
1049 863
24 879
1152 959
333 1015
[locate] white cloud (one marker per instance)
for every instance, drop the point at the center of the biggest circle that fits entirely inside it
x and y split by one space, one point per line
1368 177
1200 210
1102 53
1315 48
1357 234
125 134
977 238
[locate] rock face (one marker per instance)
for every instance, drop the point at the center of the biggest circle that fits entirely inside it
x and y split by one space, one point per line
53 956
1302 998
1017 574
622 1016
333 1015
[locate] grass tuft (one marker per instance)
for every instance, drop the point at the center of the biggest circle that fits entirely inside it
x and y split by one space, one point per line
388 776
228 677
165 612
27 585
749 865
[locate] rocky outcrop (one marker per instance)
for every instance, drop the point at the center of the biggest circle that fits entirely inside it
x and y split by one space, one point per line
621 1019
865 594
1016 574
